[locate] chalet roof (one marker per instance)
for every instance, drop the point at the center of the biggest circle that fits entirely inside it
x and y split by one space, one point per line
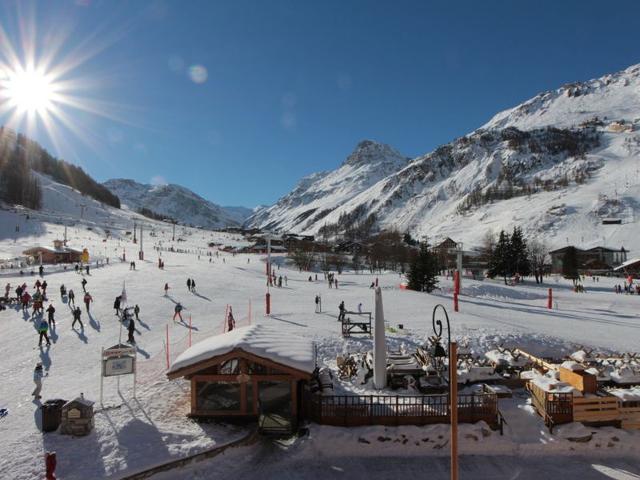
51 249
564 249
634 262
260 340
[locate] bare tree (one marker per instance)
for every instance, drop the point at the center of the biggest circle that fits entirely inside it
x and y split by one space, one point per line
538 257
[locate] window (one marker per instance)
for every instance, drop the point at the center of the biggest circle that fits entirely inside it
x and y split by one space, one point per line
217 396
230 367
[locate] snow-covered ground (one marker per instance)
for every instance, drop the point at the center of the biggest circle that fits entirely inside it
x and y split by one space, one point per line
131 434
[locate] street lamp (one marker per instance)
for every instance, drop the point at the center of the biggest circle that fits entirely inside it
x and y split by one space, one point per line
439 354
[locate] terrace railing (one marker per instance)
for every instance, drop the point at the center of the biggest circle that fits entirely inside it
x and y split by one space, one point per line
353 410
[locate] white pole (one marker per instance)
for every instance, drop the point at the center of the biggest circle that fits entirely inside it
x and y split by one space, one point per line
269 260
459 264
379 345
101 373
135 370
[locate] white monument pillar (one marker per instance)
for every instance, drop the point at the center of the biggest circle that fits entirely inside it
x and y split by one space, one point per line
379 345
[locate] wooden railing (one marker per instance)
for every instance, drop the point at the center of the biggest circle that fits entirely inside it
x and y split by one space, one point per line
351 410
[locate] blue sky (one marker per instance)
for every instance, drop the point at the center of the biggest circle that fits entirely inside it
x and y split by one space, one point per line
292 86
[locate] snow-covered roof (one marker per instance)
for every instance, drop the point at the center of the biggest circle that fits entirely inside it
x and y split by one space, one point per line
261 340
628 263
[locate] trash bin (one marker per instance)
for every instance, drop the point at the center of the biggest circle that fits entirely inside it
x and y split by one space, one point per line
51 414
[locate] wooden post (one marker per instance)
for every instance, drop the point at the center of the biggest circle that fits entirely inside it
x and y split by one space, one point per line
453 400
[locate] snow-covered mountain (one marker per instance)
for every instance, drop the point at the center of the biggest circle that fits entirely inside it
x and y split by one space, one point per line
176 202
317 195
555 165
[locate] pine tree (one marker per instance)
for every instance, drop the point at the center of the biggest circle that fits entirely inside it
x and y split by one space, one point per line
501 258
570 264
423 271
519 255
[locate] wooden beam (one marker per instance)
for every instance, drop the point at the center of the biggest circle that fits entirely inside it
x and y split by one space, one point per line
537 360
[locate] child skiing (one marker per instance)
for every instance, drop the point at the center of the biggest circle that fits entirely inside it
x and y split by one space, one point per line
38 373
77 313
176 312
42 331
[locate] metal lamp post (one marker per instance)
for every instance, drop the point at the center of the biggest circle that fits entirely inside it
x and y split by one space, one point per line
439 353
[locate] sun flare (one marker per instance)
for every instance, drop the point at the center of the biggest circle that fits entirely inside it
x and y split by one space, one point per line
28 91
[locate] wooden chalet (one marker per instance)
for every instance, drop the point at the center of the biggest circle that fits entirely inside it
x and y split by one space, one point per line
252 372
59 253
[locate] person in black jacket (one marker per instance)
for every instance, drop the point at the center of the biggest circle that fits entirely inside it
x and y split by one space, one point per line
131 327
77 313
50 311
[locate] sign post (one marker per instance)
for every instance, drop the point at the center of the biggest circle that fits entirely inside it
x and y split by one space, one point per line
115 361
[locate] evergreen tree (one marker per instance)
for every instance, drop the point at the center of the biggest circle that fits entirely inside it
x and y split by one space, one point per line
519 255
500 260
570 265
423 271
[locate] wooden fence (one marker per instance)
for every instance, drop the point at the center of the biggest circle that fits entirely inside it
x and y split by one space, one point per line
555 408
356 410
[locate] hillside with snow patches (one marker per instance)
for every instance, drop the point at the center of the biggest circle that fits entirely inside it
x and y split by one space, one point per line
556 165
176 202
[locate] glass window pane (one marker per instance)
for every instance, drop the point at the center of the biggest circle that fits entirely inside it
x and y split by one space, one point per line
212 396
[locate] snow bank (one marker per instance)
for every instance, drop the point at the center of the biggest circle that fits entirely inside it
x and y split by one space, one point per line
262 340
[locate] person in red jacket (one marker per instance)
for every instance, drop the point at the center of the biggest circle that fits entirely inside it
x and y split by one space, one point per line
87 300
25 301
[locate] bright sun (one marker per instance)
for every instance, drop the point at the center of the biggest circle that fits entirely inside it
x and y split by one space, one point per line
29 91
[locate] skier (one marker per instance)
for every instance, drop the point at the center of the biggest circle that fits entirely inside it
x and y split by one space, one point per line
7 289
37 303
18 292
87 269
189 284
87 300
360 307
136 311
84 285
166 289
44 288
77 313
41 271
25 301
280 281
37 285
341 310
116 305
50 311
335 282
42 330
317 303
193 285
131 327
63 291
176 312
231 322
72 298
38 373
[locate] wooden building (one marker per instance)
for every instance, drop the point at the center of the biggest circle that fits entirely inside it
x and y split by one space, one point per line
56 254
251 372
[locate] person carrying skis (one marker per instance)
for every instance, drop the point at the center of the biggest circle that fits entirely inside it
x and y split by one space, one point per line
50 312
131 327
38 374
176 312
116 305
87 300
136 312
77 313
189 284
72 298
166 289
42 330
